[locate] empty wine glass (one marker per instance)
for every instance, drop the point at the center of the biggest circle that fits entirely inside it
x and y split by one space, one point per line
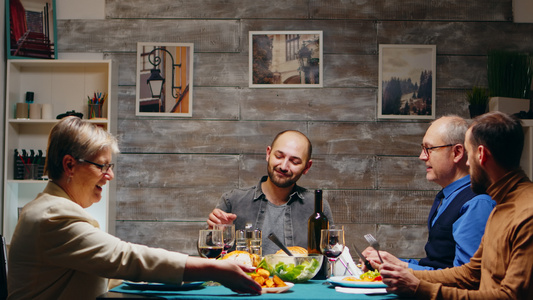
210 243
228 235
332 245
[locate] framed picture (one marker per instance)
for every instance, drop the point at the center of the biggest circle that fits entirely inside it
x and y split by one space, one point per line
31 29
164 79
406 88
286 59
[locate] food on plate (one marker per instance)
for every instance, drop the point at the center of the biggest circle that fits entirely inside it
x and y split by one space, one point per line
370 276
243 257
262 277
294 250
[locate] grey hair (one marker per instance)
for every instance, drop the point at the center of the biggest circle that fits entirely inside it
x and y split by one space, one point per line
454 130
78 138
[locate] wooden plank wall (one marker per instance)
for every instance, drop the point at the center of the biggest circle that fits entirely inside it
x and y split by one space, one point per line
172 171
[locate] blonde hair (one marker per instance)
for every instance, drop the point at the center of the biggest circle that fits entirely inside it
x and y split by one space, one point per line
78 138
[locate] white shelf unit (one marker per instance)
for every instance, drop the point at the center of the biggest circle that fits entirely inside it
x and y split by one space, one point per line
65 84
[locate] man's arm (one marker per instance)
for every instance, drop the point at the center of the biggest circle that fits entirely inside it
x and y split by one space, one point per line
470 227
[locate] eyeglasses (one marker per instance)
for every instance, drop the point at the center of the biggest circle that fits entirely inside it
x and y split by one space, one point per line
426 149
105 167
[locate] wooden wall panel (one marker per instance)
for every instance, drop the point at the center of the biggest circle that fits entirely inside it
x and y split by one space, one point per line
175 236
207 9
184 136
493 10
123 35
457 38
172 171
175 170
168 204
402 173
384 138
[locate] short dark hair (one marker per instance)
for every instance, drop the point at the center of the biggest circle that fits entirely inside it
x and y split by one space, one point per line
309 146
502 134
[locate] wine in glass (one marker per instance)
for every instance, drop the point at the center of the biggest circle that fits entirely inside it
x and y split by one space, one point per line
332 244
210 243
228 235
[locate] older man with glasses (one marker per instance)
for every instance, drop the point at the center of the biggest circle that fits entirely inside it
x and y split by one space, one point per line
457 219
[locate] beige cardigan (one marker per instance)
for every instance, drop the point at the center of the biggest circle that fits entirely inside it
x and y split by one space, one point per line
59 252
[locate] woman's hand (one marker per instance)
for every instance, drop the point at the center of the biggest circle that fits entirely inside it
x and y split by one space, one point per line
228 273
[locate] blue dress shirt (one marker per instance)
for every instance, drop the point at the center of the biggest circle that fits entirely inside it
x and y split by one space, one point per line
468 229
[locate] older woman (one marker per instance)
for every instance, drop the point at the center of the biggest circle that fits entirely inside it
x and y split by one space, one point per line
59 252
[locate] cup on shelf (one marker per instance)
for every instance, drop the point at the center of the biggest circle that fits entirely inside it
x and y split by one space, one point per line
31 171
46 111
35 111
22 111
95 111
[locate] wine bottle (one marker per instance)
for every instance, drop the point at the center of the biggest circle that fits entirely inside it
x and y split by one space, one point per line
317 222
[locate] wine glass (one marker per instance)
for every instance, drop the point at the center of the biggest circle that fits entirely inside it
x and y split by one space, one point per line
210 243
228 235
332 245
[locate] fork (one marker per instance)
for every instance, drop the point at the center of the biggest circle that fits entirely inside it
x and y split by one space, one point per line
374 243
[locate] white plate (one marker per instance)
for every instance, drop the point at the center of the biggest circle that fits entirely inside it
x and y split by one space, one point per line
156 285
280 289
338 280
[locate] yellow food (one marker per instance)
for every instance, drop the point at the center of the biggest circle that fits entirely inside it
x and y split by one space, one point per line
244 258
294 250
262 277
351 278
370 276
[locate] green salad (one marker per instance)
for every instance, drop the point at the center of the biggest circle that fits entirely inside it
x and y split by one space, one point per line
290 272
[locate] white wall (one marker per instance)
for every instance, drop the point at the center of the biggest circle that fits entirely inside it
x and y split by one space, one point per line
80 9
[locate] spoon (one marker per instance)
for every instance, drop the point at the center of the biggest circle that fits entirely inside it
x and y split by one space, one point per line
276 241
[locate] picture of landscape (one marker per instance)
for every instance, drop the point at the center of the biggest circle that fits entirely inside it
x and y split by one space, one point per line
407 81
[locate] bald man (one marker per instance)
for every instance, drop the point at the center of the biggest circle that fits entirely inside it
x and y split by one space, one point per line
276 204
456 222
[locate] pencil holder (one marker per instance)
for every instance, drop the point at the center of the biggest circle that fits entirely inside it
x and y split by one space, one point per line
95 111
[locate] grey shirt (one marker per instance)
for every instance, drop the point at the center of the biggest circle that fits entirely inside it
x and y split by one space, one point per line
251 205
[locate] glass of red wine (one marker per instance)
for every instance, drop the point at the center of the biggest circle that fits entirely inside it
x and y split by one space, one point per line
332 245
228 235
210 243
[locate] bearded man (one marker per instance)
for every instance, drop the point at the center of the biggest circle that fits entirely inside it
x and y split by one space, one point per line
276 204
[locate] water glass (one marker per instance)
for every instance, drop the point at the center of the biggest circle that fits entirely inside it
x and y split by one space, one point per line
240 240
255 242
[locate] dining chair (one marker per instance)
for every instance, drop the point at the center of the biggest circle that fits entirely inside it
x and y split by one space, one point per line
3 271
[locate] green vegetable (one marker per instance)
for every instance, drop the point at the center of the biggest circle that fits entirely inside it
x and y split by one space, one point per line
263 264
290 272
370 275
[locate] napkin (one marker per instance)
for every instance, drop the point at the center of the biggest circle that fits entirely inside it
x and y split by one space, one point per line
345 263
365 291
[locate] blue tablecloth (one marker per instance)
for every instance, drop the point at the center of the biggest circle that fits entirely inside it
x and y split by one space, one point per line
313 289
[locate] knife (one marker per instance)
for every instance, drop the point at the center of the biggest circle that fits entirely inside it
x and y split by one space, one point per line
363 258
276 241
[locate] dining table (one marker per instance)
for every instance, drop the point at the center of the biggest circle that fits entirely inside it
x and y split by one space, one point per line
310 290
